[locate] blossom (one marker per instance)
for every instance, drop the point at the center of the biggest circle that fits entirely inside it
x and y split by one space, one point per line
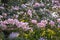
29 12
41 24
5 22
16 16
3 25
52 23
13 35
42 5
28 28
58 20
23 6
36 5
19 24
11 21
15 8
22 24
1 16
4 14
34 21
16 21
44 21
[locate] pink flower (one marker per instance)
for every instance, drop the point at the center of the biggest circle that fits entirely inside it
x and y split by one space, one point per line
41 24
56 1
19 24
36 5
2 22
44 21
4 14
58 20
52 23
3 26
28 28
23 6
25 25
16 21
22 24
29 12
16 16
42 5
34 21
1 16
5 22
11 21
15 8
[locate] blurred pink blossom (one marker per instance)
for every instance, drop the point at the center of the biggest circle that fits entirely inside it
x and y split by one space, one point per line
25 24
29 12
1 16
41 24
19 24
16 16
44 21
58 20
5 22
16 21
28 28
15 8
34 21
22 24
36 5
4 14
11 21
52 23
3 26
42 4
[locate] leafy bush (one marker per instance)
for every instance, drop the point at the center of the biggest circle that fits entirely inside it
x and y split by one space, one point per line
30 20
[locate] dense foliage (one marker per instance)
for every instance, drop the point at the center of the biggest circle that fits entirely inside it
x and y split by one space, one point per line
30 20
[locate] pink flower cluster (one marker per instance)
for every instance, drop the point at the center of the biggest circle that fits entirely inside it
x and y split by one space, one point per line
34 21
29 12
52 23
58 20
15 8
42 23
38 5
1 16
23 25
